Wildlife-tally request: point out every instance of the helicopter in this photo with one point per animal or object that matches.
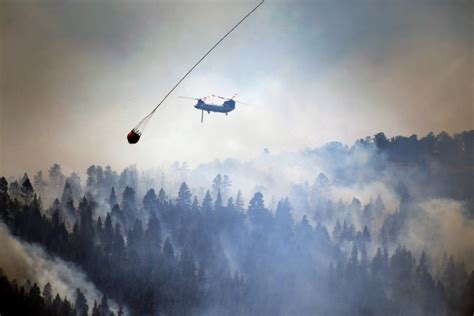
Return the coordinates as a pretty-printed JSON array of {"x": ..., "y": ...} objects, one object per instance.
[
  {"x": 208, "y": 105},
  {"x": 134, "y": 135}
]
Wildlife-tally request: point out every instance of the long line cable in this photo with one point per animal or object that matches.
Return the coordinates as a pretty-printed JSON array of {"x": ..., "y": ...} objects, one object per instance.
[{"x": 199, "y": 61}]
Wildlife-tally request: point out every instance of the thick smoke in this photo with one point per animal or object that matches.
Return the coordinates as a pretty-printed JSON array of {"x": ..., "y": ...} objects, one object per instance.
[
  {"x": 441, "y": 226},
  {"x": 22, "y": 261}
]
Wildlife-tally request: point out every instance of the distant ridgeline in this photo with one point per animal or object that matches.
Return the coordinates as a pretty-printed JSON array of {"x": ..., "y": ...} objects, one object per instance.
[
  {"x": 448, "y": 159},
  {"x": 444, "y": 164},
  {"x": 209, "y": 252}
]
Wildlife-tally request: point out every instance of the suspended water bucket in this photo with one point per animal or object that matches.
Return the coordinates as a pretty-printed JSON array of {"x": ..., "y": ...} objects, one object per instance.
[{"x": 133, "y": 136}]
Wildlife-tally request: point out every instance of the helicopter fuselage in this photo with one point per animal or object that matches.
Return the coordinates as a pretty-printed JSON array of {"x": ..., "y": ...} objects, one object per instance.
[{"x": 227, "y": 107}]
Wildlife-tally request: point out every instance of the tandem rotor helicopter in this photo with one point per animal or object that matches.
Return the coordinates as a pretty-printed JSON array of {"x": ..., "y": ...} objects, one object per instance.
[
  {"x": 206, "y": 104},
  {"x": 203, "y": 104}
]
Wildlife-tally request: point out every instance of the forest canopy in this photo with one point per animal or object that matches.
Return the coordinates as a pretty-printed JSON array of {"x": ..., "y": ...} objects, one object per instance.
[{"x": 249, "y": 238}]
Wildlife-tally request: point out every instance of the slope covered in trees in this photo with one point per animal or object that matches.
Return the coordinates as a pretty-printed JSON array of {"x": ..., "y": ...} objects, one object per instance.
[{"x": 191, "y": 252}]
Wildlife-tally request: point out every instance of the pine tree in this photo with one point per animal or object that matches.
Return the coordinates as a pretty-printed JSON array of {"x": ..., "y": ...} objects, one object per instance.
[
  {"x": 57, "y": 305},
  {"x": 14, "y": 191},
  {"x": 118, "y": 245},
  {"x": 218, "y": 204},
  {"x": 337, "y": 232},
  {"x": 207, "y": 203},
  {"x": 56, "y": 177},
  {"x": 239, "y": 202},
  {"x": 80, "y": 305},
  {"x": 378, "y": 265},
  {"x": 39, "y": 183},
  {"x": 104, "y": 306},
  {"x": 366, "y": 234},
  {"x": 66, "y": 308},
  {"x": 129, "y": 206},
  {"x": 48, "y": 294},
  {"x": 86, "y": 228},
  {"x": 226, "y": 185},
  {"x": 117, "y": 214},
  {"x": 153, "y": 238},
  {"x": 217, "y": 185},
  {"x": 107, "y": 234},
  {"x": 184, "y": 196},
  {"x": 195, "y": 205},
  {"x": 257, "y": 212},
  {"x": 283, "y": 216},
  {"x": 112, "y": 198},
  {"x": 67, "y": 194},
  {"x": 95, "y": 310},
  {"x": 34, "y": 295},
  {"x": 379, "y": 206},
  {"x": 162, "y": 198},
  {"x": 99, "y": 230},
  {"x": 27, "y": 191},
  {"x": 425, "y": 285},
  {"x": 76, "y": 188},
  {"x": 91, "y": 183},
  {"x": 149, "y": 201}
]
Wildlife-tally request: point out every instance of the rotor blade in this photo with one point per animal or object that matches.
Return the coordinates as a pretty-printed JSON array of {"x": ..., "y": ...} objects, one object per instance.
[
  {"x": 189, "y": 98},
  {"x": 241, "y": 102},
  {"x": 203, "y": 57},
  {"x": 218, "y": 96},
  {"x": 228, "y": 99},
  {"x": 202, "y": 116}
]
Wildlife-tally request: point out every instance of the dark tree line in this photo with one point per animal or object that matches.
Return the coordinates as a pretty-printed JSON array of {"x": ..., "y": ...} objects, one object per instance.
[
  {"x": 444, "y": 162},
  {"x": 450, "y": 150},
  {"x": 28, "y": 299}
]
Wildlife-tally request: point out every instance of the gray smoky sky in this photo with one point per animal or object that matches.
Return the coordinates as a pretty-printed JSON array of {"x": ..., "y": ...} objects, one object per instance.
[{"x": 76, "y": 76}]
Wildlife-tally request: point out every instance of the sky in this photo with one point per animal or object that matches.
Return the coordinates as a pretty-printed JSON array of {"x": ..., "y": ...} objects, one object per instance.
[{"x": 76, "y": 76}]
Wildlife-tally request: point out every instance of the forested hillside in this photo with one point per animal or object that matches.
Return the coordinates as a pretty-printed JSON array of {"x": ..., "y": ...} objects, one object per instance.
[{"x": 382, "y": 228}]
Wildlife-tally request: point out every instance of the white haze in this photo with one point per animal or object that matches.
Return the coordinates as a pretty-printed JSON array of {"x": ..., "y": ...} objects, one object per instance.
[
  {"x": 23, "y": 261},
  {"x": 441, "y": 226}
]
